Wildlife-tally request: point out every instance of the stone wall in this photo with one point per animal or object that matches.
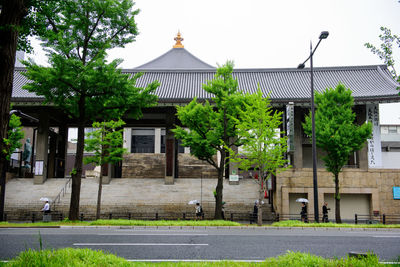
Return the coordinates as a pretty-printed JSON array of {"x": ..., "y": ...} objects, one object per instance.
[
  {"x": 376, "y": 182},
  {"x": 146, "y": 165},
  {"x": 191, "y": 167},
  {"x": 143, "y": 165}
]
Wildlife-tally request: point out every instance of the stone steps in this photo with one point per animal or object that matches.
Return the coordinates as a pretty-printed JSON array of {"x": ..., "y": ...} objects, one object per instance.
[{"x": 129, "y": 195}]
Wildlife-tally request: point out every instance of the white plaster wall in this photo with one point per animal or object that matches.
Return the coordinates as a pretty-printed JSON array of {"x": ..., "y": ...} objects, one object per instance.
[{"x": 391, "y": 160}]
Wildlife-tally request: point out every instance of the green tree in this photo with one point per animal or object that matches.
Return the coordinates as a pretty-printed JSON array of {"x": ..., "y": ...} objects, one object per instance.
[
  {"x": 385, "y": 52},
  {"x": 336, "y": 132},
  {"x": 262, "y": 145},
  {"x": 18, "y": 20},
  {"x": 11, "y": 142},
  {"x": 14, "y": 136},
  {"x": 80, "y": 81},
  {"x": 211, "y": 127},
  {"x": 105, "y": 142}
]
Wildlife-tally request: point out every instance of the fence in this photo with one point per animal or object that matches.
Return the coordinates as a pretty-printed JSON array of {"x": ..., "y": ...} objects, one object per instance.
[
  {"x": 90, "y": 216},
  {"x": 358, "y": 218}
]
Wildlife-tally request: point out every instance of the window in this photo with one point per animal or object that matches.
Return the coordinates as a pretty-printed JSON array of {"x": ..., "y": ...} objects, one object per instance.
[
  {"x": 384, "y": 130},
  {"x": 142, "y": 141},
  {"x": 392, "y": 130}
]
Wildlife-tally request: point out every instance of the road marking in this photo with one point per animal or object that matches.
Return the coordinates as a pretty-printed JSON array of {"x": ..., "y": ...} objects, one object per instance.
[
  {"x": 390, "y": 236},
  {"x": 137, "y": 244},
  {"x": 119, "y": 234}
]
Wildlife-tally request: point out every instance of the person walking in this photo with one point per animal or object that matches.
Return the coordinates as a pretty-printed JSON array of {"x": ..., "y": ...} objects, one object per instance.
[
  {"x": 325, "y": 212},
  {"x": 199, "y": 211},
  {"x": 303, "y": 212},
  {"x": 46, "y": 208}
]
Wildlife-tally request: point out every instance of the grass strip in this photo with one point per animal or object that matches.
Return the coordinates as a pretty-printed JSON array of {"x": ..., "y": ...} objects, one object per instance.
[
  {"x": 123, "y": 222},
  {"x": 87, "y": 257},
  {"x": 293, "y": 223}
]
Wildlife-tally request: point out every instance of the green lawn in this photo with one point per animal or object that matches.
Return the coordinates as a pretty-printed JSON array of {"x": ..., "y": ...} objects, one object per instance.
[
  {"x": 121, "y": 222},
  {"x": 87, "y": 257}
]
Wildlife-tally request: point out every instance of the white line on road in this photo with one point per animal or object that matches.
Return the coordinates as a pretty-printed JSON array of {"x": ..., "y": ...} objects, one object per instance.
[
  {"x": 390, "y": 236},
  {"x": 137, "y": 244},
  {"x": 119, "y": 234}
]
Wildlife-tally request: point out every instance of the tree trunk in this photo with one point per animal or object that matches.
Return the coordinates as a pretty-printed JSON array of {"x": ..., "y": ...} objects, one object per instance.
[
  {"x": 76, "y": 177},
  {"x": 219, "y": 189},
  {"x": 337, "y": 199},
  {"x": 11, "y": 15},
  {"x": 99, "y": 194},
  {"x": 260, "y": 199}
]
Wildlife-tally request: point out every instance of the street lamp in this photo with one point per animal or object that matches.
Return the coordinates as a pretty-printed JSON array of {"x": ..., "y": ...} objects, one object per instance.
[{"x": 323, "y": 35}]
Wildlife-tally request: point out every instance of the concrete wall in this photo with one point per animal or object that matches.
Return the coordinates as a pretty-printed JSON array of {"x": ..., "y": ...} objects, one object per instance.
[
  {"x": 391, "y": 160},
  {"x": 376, "y": 183}
]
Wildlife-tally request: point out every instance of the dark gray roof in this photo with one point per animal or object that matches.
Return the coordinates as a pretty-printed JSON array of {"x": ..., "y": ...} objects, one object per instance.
[
  {"x": 176, "y": 58},
  {"x": 368, "y": 83}
]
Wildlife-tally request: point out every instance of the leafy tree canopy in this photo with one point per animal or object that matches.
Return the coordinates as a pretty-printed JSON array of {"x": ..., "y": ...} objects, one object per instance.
[
  {"x": 105, "y": 142},
  {"x": 335, "y": 128},
  {"x": 258, "y": 130},
  {"x": 14, "y": 136}
]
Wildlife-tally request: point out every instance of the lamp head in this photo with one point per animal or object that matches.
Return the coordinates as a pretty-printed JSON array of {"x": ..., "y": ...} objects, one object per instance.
[
  {"x": 324, "y": 35},
  {"x": 301, "y": 66}
]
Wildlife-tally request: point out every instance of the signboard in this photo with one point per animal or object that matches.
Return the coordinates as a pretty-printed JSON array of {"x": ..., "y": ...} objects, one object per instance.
[
  {"x": 290, "y": 126},
  {"x": 39, "y": 167},
  {"x": 396, "y": 192},
  {"x": 374, "y": 144},
  {"x": 234, "y": 178}
]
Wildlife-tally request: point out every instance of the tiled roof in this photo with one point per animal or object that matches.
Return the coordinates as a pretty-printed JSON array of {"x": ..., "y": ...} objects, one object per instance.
[
  {"x": 371, "y": 83},
  {"x": 176, "y": 58}
]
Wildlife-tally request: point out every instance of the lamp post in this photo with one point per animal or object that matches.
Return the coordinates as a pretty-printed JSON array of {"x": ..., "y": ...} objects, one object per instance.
[{"x": 322, "y": 36}]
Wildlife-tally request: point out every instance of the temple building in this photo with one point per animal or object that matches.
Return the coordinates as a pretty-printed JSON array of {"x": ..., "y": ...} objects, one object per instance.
[{"x": 366, "y": 186}]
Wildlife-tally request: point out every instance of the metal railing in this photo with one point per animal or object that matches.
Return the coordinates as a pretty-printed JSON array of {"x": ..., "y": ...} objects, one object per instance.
[{"x": 63, "y": 191}]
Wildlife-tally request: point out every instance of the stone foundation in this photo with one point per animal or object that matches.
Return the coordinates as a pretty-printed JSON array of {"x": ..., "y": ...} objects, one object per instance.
[
  {"x": 143, "y": 165},
  {"x": 378, "y": 183},
  {"x": 191, "y": 167}
]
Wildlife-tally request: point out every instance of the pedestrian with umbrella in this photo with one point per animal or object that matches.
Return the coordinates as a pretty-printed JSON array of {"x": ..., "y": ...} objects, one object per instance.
[{"x": 303, "y": 212}]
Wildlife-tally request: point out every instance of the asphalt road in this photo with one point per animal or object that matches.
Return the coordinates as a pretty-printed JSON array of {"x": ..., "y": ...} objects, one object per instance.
[{"x": 205, "y": 244}]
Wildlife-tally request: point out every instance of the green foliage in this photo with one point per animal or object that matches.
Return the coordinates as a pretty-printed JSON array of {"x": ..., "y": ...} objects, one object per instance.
[
  {"x": 88, "y": 257},
  {"x": 211, "y": 125},
  {"x": 212, "y": 128},
  {"x": 80, "y": 81},
  {"x": 67, "y": 257},
  {"x": 15, "y": 134},
  {"x": 262, "y": 146},
  {"x": 385, "y": 52},
  {"x": 105, "y": 142},
  {"x": 335, "y": 128}
]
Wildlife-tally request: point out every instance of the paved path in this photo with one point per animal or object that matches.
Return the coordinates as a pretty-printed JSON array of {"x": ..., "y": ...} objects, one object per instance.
[{"x": 205, "y": 243}]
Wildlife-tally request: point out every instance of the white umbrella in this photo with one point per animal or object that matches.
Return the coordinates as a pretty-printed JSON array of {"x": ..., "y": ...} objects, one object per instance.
[
  {"x": 45, "y": 199},
  {"x": 302, "y": 200},
  {"x": 191, "y": 202}
]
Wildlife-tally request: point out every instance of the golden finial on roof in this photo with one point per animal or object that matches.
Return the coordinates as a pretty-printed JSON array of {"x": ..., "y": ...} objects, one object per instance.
[{"x": 178, "y": 40}]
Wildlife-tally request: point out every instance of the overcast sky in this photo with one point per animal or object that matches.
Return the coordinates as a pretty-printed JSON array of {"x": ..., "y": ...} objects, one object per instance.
[{"x": 261, "y": 33}]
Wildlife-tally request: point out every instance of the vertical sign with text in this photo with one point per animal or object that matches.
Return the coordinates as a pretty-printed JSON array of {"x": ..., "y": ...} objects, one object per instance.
[{"x": 374, "y": 144}]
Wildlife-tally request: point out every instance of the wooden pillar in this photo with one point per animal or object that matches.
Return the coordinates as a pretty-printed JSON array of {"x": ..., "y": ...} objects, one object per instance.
[
  {"x": 42, "y": 147},
  {"x": 62, "y": 151},
  {"x": 298, "y": 139},
  {"x": 170, "y": 147},
  {"x": 51, "y": 168}
]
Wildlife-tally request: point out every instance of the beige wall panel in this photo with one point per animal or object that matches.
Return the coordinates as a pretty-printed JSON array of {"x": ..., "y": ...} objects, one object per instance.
[{"x": 350, "y": 204}]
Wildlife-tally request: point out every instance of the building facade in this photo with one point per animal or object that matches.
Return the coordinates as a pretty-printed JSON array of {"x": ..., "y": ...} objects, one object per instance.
[{"x": 366, "y": 187}]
